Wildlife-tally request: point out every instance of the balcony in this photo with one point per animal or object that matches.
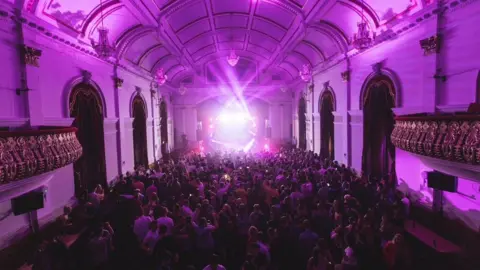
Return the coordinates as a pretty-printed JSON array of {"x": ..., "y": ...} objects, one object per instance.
[
  {"x": 30, "y": 155},
  {"x": 448, "y": 143}
]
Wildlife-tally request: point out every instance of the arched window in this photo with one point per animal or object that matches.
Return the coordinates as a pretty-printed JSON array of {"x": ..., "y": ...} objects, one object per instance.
[
  {"x": 86, "y": 107},
  {"x": 327, "y": 130},
  {"x": 139, "y": 114},
  {"x": 302, "y": 124},
  {"x": 378, "y": 157}
]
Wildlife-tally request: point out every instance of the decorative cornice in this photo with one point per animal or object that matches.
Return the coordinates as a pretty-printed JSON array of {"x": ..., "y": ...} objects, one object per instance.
[
  {"x": 34, "y": 152},
  {"x": 40, "y": 27},
  {"x": 447, "y": 137},
  {"x": 355, "y": 117},
  {"x": 13, "y": 122},
  {"x": 110, "y": 125},
  {"x": 58, "y": 122},
  {"x": 453, "y": 108},
  {"x": 409, "y": 110}
]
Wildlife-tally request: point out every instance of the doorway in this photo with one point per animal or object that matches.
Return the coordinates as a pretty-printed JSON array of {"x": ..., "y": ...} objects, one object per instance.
[
  {"x": 378, "y": 157},
  {"x": 86, "y": 107},
  {"x": 139, "y": 114}
]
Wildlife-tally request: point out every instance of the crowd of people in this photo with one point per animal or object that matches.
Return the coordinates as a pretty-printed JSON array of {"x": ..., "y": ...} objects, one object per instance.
[{"x": 286, "y": 210}]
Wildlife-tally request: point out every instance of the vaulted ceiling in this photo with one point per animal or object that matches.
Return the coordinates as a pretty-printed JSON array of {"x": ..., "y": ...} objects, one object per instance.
[{"x": 184, "y": 36}]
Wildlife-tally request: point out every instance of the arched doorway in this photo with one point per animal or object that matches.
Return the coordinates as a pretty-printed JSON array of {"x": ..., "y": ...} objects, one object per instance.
[
  {"x": 327, "y": 129},
  {"x": 164, "y": 127},
  {"x": 86, "y": 107},
  {"x": 302, "y": 124},
  {"x": 139, "y": 114},
  {"x": 378, "y": 157}
]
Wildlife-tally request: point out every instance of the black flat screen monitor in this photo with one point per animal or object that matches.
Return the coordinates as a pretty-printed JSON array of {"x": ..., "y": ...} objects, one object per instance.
[
  {"x": 441, "y": 181},
  {"x": 28, "y": 202}
]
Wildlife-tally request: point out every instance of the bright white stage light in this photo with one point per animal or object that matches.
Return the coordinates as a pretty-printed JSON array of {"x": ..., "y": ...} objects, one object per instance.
[
  {"x": 266, "y": 147},
  {"x": 234, "y": 118}
]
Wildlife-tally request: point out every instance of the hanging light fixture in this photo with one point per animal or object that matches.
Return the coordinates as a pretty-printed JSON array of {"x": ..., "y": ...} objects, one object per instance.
[
  {"x": 161, "y": 77},
  {"x": 362, "y": 40},
  {"x": 233, "y": 58},
  {"x": 103, "y": 47},
  {"x": 306, "y": 73}
]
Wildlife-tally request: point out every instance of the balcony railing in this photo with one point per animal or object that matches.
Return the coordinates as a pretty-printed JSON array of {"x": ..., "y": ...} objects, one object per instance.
[
  {"x": 448, "y": 137},
  {"x": 29, "y": 153}
]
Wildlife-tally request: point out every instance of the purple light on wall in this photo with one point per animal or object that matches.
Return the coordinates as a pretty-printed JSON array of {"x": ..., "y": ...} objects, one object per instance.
[{"x": 463, "y": 204}]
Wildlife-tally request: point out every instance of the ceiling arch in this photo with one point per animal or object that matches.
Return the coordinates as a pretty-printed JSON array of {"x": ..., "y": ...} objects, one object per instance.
[{"x": 183, "y": 35}]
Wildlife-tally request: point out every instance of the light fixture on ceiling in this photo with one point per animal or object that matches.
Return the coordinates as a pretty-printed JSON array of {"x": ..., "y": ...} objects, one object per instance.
[
  {"x": 233, "y": 58},
  {"x": 362, "y": 39},
  {"x": 182, "y": 90},
  {"x": 103, "y": 47},
  {"x": 161, "y": 77},
  {"x": 306, "y": 73}
]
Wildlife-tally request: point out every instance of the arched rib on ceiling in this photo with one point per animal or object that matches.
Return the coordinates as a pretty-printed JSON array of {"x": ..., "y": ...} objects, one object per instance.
[
  {"x": 269, "y": 31},
  {"x": 321, "y": 42}
]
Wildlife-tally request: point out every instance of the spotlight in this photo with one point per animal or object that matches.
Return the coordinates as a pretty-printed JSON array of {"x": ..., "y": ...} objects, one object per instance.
[{"x": 266, "y": 147}]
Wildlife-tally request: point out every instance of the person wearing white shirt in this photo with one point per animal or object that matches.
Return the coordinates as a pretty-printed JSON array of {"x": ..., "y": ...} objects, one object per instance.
[
  {"x": 140, "y": 228},
  {"x": 165, "y": 220},
  {"x": 151, "y": 238}
]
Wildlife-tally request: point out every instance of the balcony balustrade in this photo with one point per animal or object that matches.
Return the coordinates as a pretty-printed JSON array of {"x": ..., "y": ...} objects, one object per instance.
[{"x": 24, "y": 154}]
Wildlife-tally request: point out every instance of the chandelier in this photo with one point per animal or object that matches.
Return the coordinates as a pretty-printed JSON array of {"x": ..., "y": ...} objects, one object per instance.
[
  {"x": 306, "y": 73},
  {"x": 362, "y": 39},
  {"x": 161, "y": 77},
  {"x": 103, "y": 47},
  {"x": 182, "y": 90},
  {"x": 233, "y": 58}
]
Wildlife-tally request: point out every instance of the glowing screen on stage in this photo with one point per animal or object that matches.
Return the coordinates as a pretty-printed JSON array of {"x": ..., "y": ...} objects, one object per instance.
[{"x": 234, "y": 127}]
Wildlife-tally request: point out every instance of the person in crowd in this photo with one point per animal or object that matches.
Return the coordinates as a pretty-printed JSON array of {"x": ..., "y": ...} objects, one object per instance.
[
  {"x": 152, "y": 237},
  {"x": 271, "y": 211},
  {"x": 141, "y": 226}
]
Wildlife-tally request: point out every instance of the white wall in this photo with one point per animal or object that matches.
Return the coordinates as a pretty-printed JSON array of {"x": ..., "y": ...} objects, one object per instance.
[
  {"x": 47, "y": 104},
  {"x": 417, "y": 90}
]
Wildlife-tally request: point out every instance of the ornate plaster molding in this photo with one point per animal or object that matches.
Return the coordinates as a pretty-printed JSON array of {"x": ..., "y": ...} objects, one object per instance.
[
  {"x": 345, "y": 76},
  {"x": 337, "y": 117},
  {"x": 453, "y": 108},
  {"x": 31, "y": 55},
  {"x": 58, "y": 122},
  {"x": 408, "y": 110},
  {"x": 355, "y": 116},
  {"x": 430, "y": 45},
  {"x": 13, "y": 122},
  {"x": 118, "y": 82}
]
